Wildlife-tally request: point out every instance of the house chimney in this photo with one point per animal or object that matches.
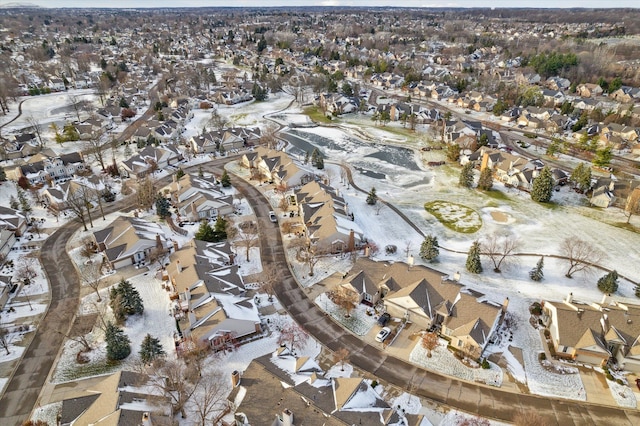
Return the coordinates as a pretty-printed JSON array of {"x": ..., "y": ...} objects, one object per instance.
[
  {"x": 604, "y": 300},
  {"x": 178, "y": 266},
  {"x": 175, "y": 245},
  {"x": 569, "y": 298},
  {"x": 410, "y": 260},
  {"x": 505, "y": 304},
  {"x": 351, "y": 244},
  {"x": 456, "y": 276},
  {"x": 158, "y": 242},
  {"x": 235, "y": 378},
  {"x": 287, "y": 417}
]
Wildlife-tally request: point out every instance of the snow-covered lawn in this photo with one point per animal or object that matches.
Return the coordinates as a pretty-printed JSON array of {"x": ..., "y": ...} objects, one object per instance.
[
  {"x": 156, "y": 320},
  {"x": 359, "y": 322},
  {"x": 443, "y": 361},
  {"x": 622, "y": 394}
]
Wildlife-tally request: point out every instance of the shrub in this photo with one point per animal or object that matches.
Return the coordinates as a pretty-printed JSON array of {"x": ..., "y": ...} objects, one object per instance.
[
  {"x": 542, "y": 356},
  {"x": 485, "y": 364}
]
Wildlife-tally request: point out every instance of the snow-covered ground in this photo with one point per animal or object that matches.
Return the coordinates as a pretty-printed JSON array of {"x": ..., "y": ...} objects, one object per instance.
[{"x": 404, "y": 180}]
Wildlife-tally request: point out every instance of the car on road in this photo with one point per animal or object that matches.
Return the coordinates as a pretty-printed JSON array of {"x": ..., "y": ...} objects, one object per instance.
[
  {"x": 272, "y": 216},
  {"x": 383, "y": 334},
  {"x": 384, "y": 319}
]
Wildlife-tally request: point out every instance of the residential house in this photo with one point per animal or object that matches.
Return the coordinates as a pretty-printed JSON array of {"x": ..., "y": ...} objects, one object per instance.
[
  {"x": 274, "y": 166},
  {"x": 626, "y": 94},
  {"x": 327, "y": 223},
  {"x": 129, "y": 241},
  {"x": 7, "y": 287},
  {"x": 429, "y": 299},
  {"x": 588, "y": 90},
  {"x": 122, "y": 398},
  {"x": 150, "y": 159},
  {"x": 211, "y": 302},
  {"x": 13, "y": 220},
  {"x": 198, "y": 198},
  {"x": 41, "y": 169},
  {"x": 57, "y": 197},
  {"x": 595, "y": 333},
  {"x": 300, "y": 394},
  {"x": 56, "y": 84},
  {"x": 229, "y": 139}
]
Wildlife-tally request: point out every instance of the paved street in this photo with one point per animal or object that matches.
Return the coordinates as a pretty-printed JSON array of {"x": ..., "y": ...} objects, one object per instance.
[{"x": 486, "y": 401}]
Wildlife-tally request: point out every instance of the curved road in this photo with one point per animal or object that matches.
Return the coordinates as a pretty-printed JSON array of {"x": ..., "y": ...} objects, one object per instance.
[{"x": 484, "y": 400}]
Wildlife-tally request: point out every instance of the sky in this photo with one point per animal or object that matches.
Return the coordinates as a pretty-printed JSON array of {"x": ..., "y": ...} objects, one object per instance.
[{"x": 362, "y": 3}]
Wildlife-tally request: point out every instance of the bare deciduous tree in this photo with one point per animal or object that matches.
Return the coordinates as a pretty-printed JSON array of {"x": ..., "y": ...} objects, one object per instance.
[
  {"x": 210, "y": 398},
  {"x": 341, "y": 356},
  {"x": 37, "y": 129},
  {"x": 91, "y": 275},
  {"x": 268, "y": 136},
  {"x": 146, "y": 193},
  {"x": 632, "y": 206},
  {"x": 344, "y": 297},
  {"x": 293, "y": 335},
  {"x": 270, "y": 276},
  {"x": 26, "y": 270},
  {"x": 5, "y": 340},
  {"x": 79, "y": 203},
  {"x": 247, "y": 237},
  {"x": 498, "y": 249},
  {"x": 176, "y": 381},
  {"x": 430, "y": 341},
  {"x": 96, "y": 148},
  {"x": 581, "y": 255}
]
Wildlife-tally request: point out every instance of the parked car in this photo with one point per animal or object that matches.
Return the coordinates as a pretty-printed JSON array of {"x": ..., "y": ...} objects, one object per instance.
[
  {"x": 384, "y": 319},
  {"x": 272, "y": 216},
  {"x": 383, "y": 334}
]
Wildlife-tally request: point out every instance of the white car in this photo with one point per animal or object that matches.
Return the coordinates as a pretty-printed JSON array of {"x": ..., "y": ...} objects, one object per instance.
[
  {"x": 383, "y": 334},
  {"x": 272, "y": 216}
]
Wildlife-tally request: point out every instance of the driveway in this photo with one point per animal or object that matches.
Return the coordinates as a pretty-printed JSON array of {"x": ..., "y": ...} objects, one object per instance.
[{"x": 369, "y": 357}]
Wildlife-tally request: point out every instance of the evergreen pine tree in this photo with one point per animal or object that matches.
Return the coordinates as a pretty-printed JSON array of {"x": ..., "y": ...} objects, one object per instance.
[
  {"x": 581, "y": 177},
  {"x": 162, "y": 207},
  {"x": 3, "y": 175},
  {"x": 225, "y": 180},
  {"x": 320, "y": 163},
  {"x": 125, "y": 300},
  {"x": 205, "y": 232},
  {"x": 150, "y": 349},
  {"x": 608, "y": 283},
  {"x": 542, "y": 186},
  {"x": 466, "y": 175},
  {"x": 118, "y": 343},
  {"x": 200, "y": 172},
  {"x": 25, "y": 206},
  {"x": 473, "y": 259},
  {"x": 179, "y": 173},
  {"x": 372, "y": 197},
  {"x": 306, "y": 157},
  {"x": 13, "y": 203},
  {"x": 536, "y": 274},
  {"x": 485, "y": 182},
  {"x": 220, "y": 229},
  {"x": 429, "y": 249}
]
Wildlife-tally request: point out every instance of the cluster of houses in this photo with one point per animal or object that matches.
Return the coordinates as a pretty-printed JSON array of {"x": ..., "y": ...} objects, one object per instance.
[
  {"x": 13, "y": 224},
  {"x": 430, "y": 300},
  {"x": 301, "y": 393},
  {"x": 594, "y": 333}
]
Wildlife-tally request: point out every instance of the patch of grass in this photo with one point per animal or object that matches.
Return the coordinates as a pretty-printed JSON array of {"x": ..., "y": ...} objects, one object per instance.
[
  {"x": 627, "y": 226},
  {"x": 79, "y": 371},
  {"x": 456, "y": 217},
  {"x": 316, "y": 115},
  {"x": 495, "y": 194}
]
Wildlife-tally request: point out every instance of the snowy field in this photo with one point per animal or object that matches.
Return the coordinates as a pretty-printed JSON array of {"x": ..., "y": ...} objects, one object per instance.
[{"x": 403, "y": 179}]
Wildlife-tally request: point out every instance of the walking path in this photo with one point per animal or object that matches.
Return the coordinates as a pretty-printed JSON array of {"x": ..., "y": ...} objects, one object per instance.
[{"x": 491, "y": 402}]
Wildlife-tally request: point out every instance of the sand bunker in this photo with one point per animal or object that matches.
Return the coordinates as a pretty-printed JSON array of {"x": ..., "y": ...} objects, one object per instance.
[{"x": 499, "y": 216}]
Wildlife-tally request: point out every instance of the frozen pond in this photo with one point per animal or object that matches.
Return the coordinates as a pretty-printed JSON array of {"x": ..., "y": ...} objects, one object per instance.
[{"x": 381, "y": 162}]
